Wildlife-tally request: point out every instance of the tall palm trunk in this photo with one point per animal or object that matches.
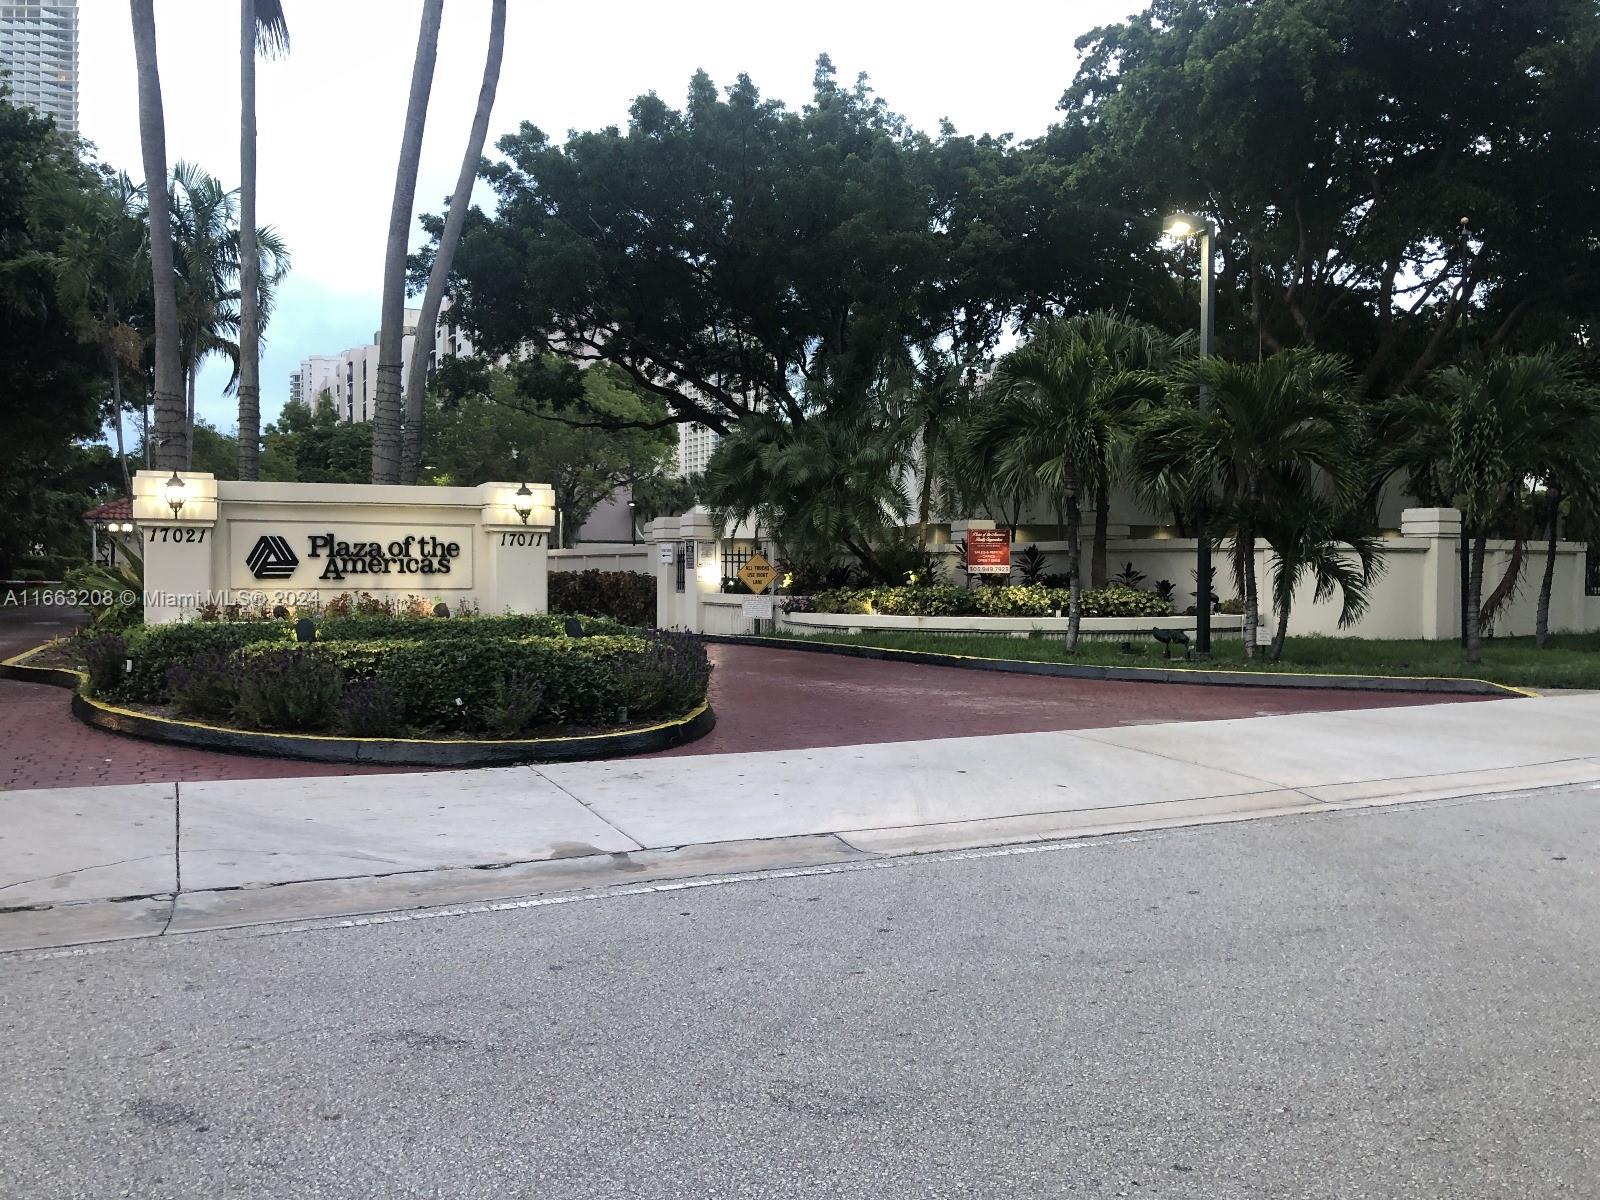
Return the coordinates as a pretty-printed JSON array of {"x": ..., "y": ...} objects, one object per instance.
[
  {"x": 433, "y": 298},
  {"x": 116, "y": 408},
  {"x": 1098, "y": 576},
  {"x": 188, "y": 423},
  {"x": 386, "y": 418},
  {"x": 1246, "y": 549},
  {"x": 1280, "y": 633},
  {"x": 169, "y": 441},
  {"x": 1074, "y": 522},
  {"x": 1541, "y": 628},
  {"x": 1480, "y": 543},
  {"x": 249, "y": 260}
]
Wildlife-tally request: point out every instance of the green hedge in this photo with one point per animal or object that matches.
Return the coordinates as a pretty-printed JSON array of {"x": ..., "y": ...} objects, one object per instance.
[
  {"x": 625, "y": 596},
  {"x": 1114, "y": 600},
  {"x": 416, "y": 629},
  {"x": 154, "y": 648}
]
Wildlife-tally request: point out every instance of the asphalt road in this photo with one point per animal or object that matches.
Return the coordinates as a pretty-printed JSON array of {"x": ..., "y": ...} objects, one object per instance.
[{"x": 1390, "y": 1003}]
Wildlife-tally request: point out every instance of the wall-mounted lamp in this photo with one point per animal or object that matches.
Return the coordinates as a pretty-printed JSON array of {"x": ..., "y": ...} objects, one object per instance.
[
  {"x": 175, "y": 494},
  {"x": 522, "y": 503}
]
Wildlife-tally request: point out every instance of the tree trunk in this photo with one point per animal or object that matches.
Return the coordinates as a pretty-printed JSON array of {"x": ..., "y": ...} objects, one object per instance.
[
  {"x": 1247, "y": 578},
  {"x": 1541, "y": 629},
  {"x": 1279, "y": 633},
  {"x": 391, "y": 335},
  {"x": 433, "y": 298},
  {"x": 116, "y": 407},
  {"x": 1074, "y": 517},
  {"x": 1480, "y": 543},
  {"x": 1097, "y": 557},
  {"x": 169, "y": 441},
  {"x": 249, "y": 259},
  {"x": 188, "y": 424}
]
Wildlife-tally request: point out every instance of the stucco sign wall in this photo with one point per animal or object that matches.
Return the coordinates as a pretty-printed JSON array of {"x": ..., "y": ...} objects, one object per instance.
[{"x": 301, "y": 544}]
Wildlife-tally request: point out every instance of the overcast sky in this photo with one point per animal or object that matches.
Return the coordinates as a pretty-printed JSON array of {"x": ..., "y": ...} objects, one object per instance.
[{"x": 330, "y": 113}]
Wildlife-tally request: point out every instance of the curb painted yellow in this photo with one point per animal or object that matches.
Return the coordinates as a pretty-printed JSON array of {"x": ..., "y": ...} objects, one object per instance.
[
  {"x": 1505, "y": 687},
  {"x": 19, "y": 662}
]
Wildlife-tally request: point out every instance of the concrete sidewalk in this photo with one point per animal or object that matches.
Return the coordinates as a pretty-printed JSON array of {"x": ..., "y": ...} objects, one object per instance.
[{"x": 87, "y": 864}]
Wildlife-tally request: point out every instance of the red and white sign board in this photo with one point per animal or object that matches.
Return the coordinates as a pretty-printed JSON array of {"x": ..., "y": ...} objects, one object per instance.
[{"x": 988, "y": 552}]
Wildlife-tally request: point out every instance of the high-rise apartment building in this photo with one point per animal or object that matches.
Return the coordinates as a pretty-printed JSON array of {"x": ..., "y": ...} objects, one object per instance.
[
  {"x": 350, "y": 379},
  {"x": 39, "y": 59}
]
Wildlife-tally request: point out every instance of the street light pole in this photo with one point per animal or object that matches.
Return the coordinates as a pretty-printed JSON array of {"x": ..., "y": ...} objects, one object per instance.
[{"x": 1183, "y": 225}]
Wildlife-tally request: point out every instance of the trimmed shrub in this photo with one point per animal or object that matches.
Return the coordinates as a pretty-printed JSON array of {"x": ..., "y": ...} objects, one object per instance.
[
  {"x": 370, "y": 708},
  {"x": 1017, "y": 601},
  {"x": 444, "y": 683},
  {"x": 512, "y": 706},
  {"x": 1114, "y": 600},
  {"x": 205, "y": 686},
  {"x": 667, "y": 678},
  {"x": 154, "y": 648},
  {"x": 106, "y": 659},
  {"x": 625, "y": 596},
  {"x": 290, "y": 689},
  {"x": 376, "y": 627},
  {"x": 1117, "y": 600}
]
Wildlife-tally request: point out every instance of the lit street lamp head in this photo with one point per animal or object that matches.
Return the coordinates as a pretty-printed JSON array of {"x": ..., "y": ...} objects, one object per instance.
[
  {"x": 1186, "y": 225},
  {"x": 175, "y": 496}
]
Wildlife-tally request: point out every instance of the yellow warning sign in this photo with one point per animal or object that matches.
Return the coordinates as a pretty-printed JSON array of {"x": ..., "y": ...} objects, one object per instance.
[{"x": 757, "y": 574}]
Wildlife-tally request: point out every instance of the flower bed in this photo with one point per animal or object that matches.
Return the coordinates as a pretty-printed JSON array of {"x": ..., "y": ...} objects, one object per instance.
[
  {"x": 1115, "y": 600},
  {"x": 381, "y": 676}
]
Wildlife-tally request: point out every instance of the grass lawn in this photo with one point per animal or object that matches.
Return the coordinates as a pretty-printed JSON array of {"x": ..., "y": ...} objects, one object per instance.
[{"x": 1569, "y": 661}]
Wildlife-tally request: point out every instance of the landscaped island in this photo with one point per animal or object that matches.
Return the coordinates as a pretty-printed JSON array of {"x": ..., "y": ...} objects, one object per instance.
[{"x": 384, "y": 675}]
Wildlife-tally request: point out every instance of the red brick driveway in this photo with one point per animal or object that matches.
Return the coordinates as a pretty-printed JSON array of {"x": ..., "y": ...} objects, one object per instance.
[{"x": 765, "y": 700}]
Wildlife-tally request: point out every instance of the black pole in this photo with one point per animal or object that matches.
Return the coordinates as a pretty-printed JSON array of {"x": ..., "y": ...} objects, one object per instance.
[
  {"x": 1202, "y": 554},
  {"x": 1464, "y": 543}
]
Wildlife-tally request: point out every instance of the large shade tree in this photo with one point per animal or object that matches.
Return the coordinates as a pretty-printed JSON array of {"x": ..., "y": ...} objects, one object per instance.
[
  {"x": 1338, "y": 144},
  {"x": 734, "y": 255}
]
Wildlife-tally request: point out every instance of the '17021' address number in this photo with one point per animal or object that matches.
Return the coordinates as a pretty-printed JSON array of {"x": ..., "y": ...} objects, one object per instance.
[{"x": 166, "y": 533}]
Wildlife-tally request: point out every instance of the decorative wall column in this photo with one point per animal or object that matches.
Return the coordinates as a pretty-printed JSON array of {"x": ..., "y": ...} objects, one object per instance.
[
  {"x": 1439, "y": 604},
  {"x": 179, "y": 546}
]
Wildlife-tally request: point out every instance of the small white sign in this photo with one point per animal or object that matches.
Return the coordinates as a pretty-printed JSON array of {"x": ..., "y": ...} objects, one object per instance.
[
  {"x": 758, "y": 606},
  {"x": 664, "y": 554}
]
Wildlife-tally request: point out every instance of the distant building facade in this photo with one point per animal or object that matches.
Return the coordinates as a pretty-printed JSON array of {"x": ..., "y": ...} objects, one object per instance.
[
  {"x": 39, "y": 59},
  {"x": 695, "y": 445},
  {"x": 349, "y": 380}
]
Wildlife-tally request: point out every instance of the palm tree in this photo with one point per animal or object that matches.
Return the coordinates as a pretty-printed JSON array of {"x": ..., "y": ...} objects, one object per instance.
[
  {"x": 1052, "y": 407},
  {"x": 262, "y": 29},
  {"x": 171, "y": 442},
  {"x": 1274, "y": 431},
  {"x": 1336, "y": 545},
  {"x": 416, "y": 385},
  {"x": 207, "y": 236},
  {"x": 391, "y": 335},
  {"x": 1565, "y": 438},
  {"x": 1129, "y": 345},
  {"x": 1478, "y": 435},
  {"x": 837, "y": 479},
  {"x": 102, "y": 269}
]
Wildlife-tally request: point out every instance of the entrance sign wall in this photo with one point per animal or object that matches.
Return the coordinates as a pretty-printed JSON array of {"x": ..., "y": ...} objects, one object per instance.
[{"x": 304, "y": 543}]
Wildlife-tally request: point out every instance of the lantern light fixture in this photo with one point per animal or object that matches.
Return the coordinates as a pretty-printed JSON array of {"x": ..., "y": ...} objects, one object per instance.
[
  {"x": 175, "y": 494},
  {"x": 522, "y": 503}
]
